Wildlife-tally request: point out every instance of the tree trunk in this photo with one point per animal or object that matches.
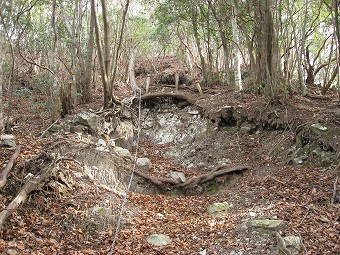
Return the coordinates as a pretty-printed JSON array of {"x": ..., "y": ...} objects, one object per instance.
[
  {"x": 236, "y": 51},
  {"x": 194, "y": 21},
  {"x": 1, "y": 86},
  {"x": 266, "y": 59},
  {"x": 55, "y": 86},
  {"x": 86, "y": 84},
  {"x": 103, "y": 70}
]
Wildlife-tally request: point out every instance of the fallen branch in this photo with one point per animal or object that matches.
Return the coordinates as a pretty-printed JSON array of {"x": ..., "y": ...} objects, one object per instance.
[
  {"x": 314, "y": 96},
  {"x": 30, "y": 185},
  {"x": 172, "y": 95},
  {"x": 169, "y": 183},
  {"x": 8, "y": 167}
]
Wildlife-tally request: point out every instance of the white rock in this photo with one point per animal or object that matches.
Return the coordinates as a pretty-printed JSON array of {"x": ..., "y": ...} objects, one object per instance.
[
  {"x": 158, "y": 239},
  {"x": 101, "y": 143},
  {"x": 204, "y": 252},
  {"x": 144, "y": 163}
]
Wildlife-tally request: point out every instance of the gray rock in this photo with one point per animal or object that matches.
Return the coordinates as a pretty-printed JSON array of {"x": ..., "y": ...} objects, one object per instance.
[
  {"x": 218, "y": 209},
  {"x": 123, "y": 152},
  {"x": 267, "y": 225},
  {"x": 103, "y": 211},
  {"x": 88, "y": 119},
  {"x": 158, "y": 239},
  {"x": 8, "y": 140},
  {"x": 177, "y": 176},
  {"x": 144, "y": 163},
  {"x": 292, "y": 243},
  {"x": 246, "y": 128},
  {"x": 80, "y": 129},
  {"x": 55, "y": 129}
]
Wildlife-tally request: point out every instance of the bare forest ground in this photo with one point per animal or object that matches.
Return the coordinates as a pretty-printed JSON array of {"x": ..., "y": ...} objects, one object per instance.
[{"x": 54, "y": 222}]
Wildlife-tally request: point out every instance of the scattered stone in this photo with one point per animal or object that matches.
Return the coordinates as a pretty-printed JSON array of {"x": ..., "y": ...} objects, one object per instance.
[
  {"x": 292, "y": 243},
  {"x": 193, "y": 112},
  {"x": 236, "y": 253},
  {"x": 12, "y": 252},
  {"x": 246, "y": 128},
  {"x": 299, "y": 160},
  {"x": 159, "y": 216},
  {"x": 218, "y": 209},
  {"x": 80, "y": 129},
  {"x": 268, "y": 226},
  {"x": 319, "y": 127},
  {"x": 88, "y": 119},
  {"x": 8, "y": 140},
  {"x": 203, "y": 252},
  {"x": 144, "y": 163},
  {"x": 101, "y": 143},
  {"x": 252, "y": 214},
  {"x": 158, "y": 239},
  {"x": 177, "y": 176},
  {"x": 54, "y": 129},
  {"x": 103, "y": 211},
  {"x": 123, "y": 152}
]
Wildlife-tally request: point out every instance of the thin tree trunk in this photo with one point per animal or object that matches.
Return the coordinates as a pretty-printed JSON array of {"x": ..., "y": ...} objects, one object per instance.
[
  {"x": 237, "y": 62},
  {"x": 104, "y": 74},
  {"x": 55, "y": 87},
  {"x": 2, "y": 57},
  {"x": 198, "y": 42},
  {"x": 89, "y": 62}
]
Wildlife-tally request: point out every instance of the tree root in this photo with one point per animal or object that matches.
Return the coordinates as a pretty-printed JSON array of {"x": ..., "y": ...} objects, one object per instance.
[
  {"x": 179, "y": 96},
  {"x": 169, "y": 183}
]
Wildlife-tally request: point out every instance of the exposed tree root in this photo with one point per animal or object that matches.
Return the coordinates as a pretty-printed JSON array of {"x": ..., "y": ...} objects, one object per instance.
[
  {"x": 169, "y": 183},
  {"x": 180, "y": 96}
]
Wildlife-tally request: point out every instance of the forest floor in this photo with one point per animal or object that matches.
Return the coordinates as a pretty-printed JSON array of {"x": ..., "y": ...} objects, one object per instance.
[{"x": 50, "y": 223}]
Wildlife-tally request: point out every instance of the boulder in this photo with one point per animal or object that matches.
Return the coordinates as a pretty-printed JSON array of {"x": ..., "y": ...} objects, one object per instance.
[
  {"x": 177, "y": 176},
  {"x": 88, "y": 119},
  {"x": 144, "y": 163},
  {"x": 8, "y": 140},
  {"x": 158, "y": 239},
  {"x": 218, "y": 209}
]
